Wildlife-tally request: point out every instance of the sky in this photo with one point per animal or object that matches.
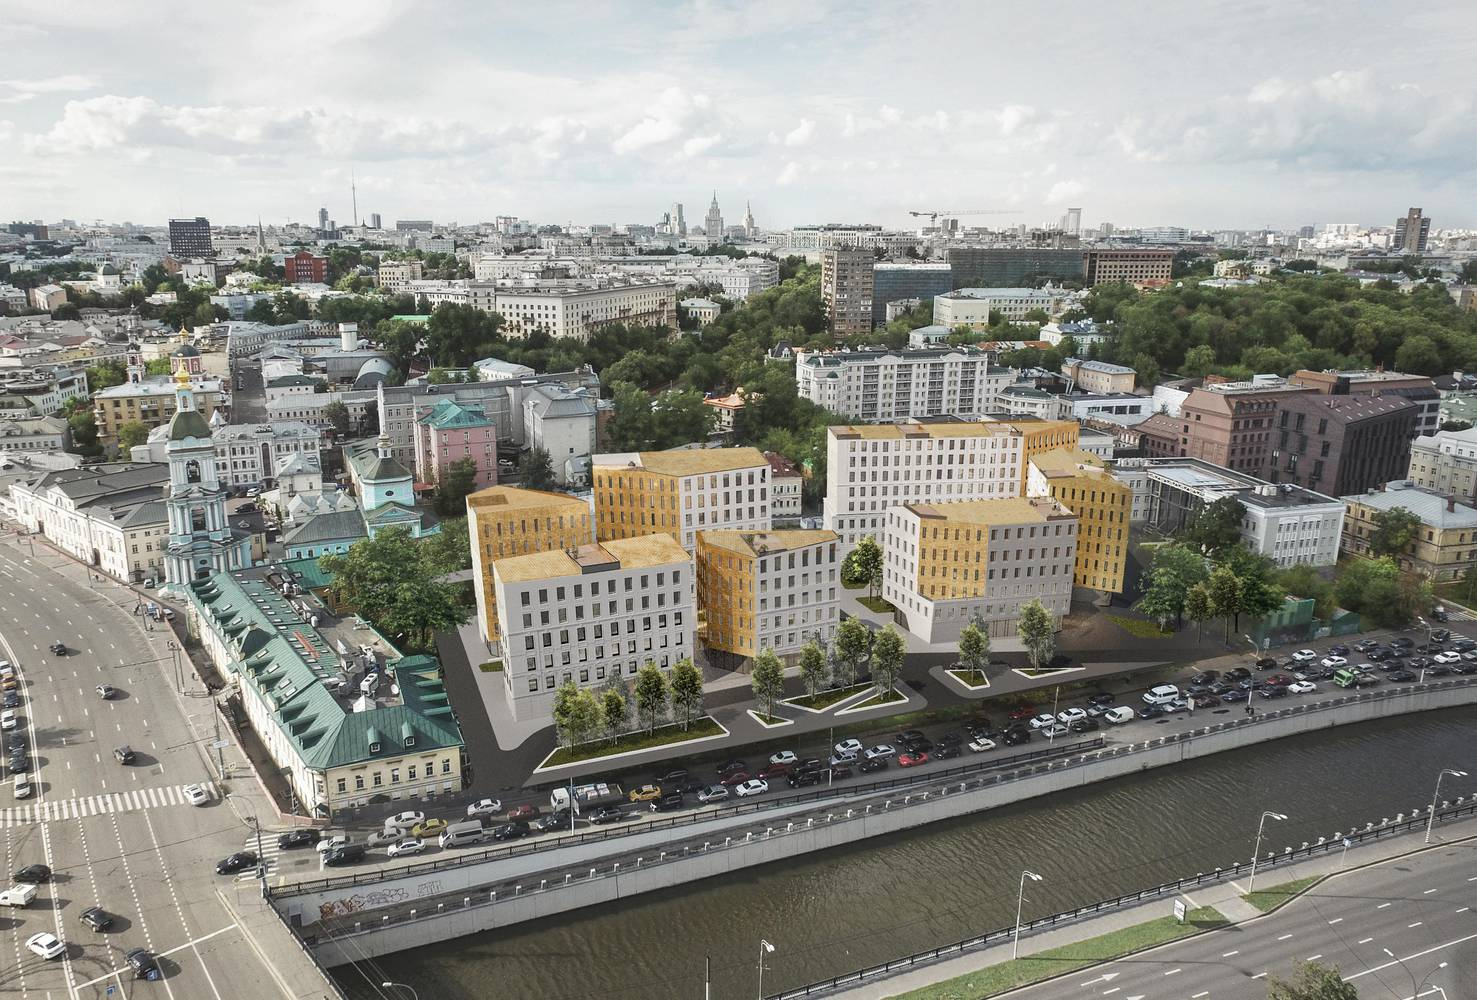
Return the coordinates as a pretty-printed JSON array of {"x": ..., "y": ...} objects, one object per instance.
[{"x": 1206, "y": 115}]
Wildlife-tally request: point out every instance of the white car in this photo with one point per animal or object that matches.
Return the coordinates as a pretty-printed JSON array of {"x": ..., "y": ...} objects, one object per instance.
[
  {"x": 484, "y": 807},
  {"x": 1302, "y": 687},
  {"x": 848, "y": 748},
  {"x": 1448, "y": 657},
  {"x": 754, "y": 786},
  {"x": 1071, "y": 715},
  {"x": 1329, "y": 662},
  {"x": 713, "y": 793},
  {"x": 196, "y": 795},
  {"x": 401, "y": 848},
  {"x": 1054, "y": 730},
  {"x": 786, "y": 757},
  {"x": 405, "y": 820},
  {"x": 381, "y": 838},
  {"x": 1042, "y": 721},
  {"x": 1119, "y": 715},
  {"x": 45, "y": 945},
  {"x": 881, "y": 750},
  {"x": 981, "y": 745},
  {"x": 8, "y": 720},
  {"x": 329, "y": 843},
  {"x": 1305, "y": 656}
]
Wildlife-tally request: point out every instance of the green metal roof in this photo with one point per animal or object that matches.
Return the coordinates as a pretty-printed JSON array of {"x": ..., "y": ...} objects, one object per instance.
[
  {"x": 448, "y": 414},
  {"x": 308, "y": 573},
  {"x": 188, "y": 424}
]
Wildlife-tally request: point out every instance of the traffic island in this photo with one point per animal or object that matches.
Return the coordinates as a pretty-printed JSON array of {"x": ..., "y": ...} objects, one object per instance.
[
  {"x": 661, "y": 738},
  {"x": 818, "y": 703},
  {"x": 1070, "y": 958},
  {"x": 883, "y": 699},
  {"x": 972, "y": 680},
  {"x": 769, "y": 721},
  {"x": 1276, "y": 896}
]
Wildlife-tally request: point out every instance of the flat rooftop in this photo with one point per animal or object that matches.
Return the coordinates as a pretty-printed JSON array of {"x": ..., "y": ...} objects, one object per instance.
[
  {"x": 1012, "y": 510},
  {"x": 684, "y": 462}
]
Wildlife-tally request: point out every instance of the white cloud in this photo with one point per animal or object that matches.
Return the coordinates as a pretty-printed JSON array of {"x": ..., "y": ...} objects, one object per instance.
[
  {"x": 16, "y": 91},
  {"x": 789, "y": 175},
  {"x": 701, "y": 143},
  {"x": 1065, "y": 191},
  {"x": 1013, "y": 116},
  {"x": 800, "y": 134},
  {"x": 665, "y": 120}
]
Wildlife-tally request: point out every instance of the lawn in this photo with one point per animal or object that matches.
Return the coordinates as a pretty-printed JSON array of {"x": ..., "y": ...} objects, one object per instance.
[
  {"x": 974, "y": 678},
  {"x": 876, "y": 604},
  {"x": 659, "y": 737},
  {"x": 1139, "y": 628},
  {"x": 1274, "y": 896},
  {"x": 822, "y": 700},
  {"x": 491, "y": 666},
  {"x": 889, "y": 697},
  {"x": 1068, "y": 958}
]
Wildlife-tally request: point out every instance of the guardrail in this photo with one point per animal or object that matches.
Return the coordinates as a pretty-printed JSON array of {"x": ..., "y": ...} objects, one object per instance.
[
  {"x": 1325, "y": 845},
  {"x": 462, "y": 858},
  {"x": 329, "y": 982}
]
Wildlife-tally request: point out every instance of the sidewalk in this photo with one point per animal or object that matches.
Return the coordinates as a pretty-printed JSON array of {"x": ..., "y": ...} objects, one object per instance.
[{"x": 1224, "y": 896}]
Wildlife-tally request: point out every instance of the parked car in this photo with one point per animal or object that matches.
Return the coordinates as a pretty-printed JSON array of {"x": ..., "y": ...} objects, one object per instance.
[
  {"x": 1339, "y": 649},
  {"x": 332, "y": 841},
  {"x": 1041, "y": 720},
  {"x": 406, "y": 847},
  {"x": 1274, "y": 691},
  {"x": 754, "y": 786},
  {"x": 1070, "y": 715},
  {"x": 106, "y": 691},
  {"x": 382, "y": 838},
  {"x": 405, "y": 820},
  {"x": 523, "y": 813},
  {"x": 784, "y": 757},
  {"x": 1302, "y": 687},
  {"x": 58, "y": 649},
  {"x": 837, "y": 760},
  {"x": 947, "y": 751},
  {"x": 1022, "y": 712},
  {"x": 1152, "y": 711},
  {"x": 803, "y": 779},
  {"x": 910, "y": 736},
  {"x": 734, "y": 778},
  {"x": 1206, "y": 701},
  {"x": 33, "y": 874},
  {"x": 346, "y": 855},
  {"x": 45, "y": 945},
  {"x": 608, "y": 814},
  {"x": 881, "y": 750},
  {"x": 484, "y": 807},
  {"x": 713, "y": 793},
  {"x": 873, "y": 764},
  {"x": 848, "y": 748},
  {"x": 1305, "y": 655},
  {"x": 674, "y": 778},
  {"x": 301, "y": 837},
  {"x": 9, "y": 721},
  {"x": 1054, "y": 731},
  {"x": 1266, "y": 663},
  {"x": 1448, "y": 657},
  {"x": 1016, "y": 735},
  {"x": 1278, "y": 680},
  {"x": 1120, "y": 715},
  {"x": 124, "y": 755},
  {"x": 240, "y": 861},
  {"x": 559, "y": 819},
  {"x": 645, "y": 793},
  {"x": 1400, "y": 676},
  {"x": 1237, "y": 674},
  {"x": 981, "y": 745},
  {"x": 429, "y": 828},
  {"x": 510, "y": 831},
  {"x": 1085, "y": 725},
  {"x": 1107, "y": 697},
  {"x": 196, "y": 795},
  {"x": 1333, "y": 662},
  {"x": 911, "y": 759},
  {"x": 1379, "y": 653},
  {"x": 732, "y": 766}
]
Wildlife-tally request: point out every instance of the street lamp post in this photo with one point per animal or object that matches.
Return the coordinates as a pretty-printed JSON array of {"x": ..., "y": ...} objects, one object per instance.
[
  {"x": 179, "y": 677},
  {"x": 401, "y": 986},
  {"x": 1431, "y": 820},
  {"x": 1020, "y": 899},
  {"x": 764, "y": 948},
  {"x": 1256, "y": 852}
]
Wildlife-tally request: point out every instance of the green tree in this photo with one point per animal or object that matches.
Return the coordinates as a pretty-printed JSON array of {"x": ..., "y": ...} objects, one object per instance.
[
  {"x": 974, "y": 648},
  {"x": 337, "y": 415},
  {"x": 458, "y": 483},
  {"x": 391, "y": 581},
  {"x": 1223, "y": 592},
  {"x": 1198, "y": 607},
  {"x": 1260, "y": 593},
  {"x": 651, "y": 695},
  {"x": 563, "y": 712},
  {"x": 853, "y": 645},
  {"x": 1175, "y": 569},
  {"x": 868, "y": 559},
  {"x": 448, "y": 550},
  {"x": 1217, "y": 526},
  {"x": 687, "y": 689},
  {"x": 1311, "y": 981},
  {"x": 106, "y": 374},
  {"x": 888, "y": 650},
  {"x": 1199, "y": 361},
  {"x": 536, "y": 471},
  {"x": 132, "y": 432},
  {"x": 1037, "y": 632},
  {"x": 585, "y": 719},
  {"x": 613, "y": 712},
  {"x": 768, "y": 681},
  {"x": 812, "y": 667},
  {"x": 1394, "y": 532},
  {"x": 630, "y": 427},
  {"x": 81, "y": 427}
]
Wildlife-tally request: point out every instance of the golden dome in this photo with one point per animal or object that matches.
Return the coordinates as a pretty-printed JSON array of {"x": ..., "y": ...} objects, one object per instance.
[{"x": 182, "y": 376}]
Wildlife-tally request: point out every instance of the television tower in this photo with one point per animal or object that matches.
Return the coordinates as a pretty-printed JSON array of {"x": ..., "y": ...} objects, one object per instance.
[{"x": 354, "y": 197}]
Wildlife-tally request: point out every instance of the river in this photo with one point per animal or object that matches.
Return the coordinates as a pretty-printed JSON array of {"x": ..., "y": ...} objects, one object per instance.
[{"x": 835, "y": 911}]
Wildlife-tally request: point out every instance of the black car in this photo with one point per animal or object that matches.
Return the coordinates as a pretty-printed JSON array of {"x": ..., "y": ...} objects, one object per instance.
[
  {"x": 1367, "y": 680},
  {"x": 20, "y": 763},
  {"x": 1219, "y": 688},
  {"x": 609, "y": 814},
  {"x": 346, "y": 854},
  {"x": 950, "y": 739},
  {"x": 1107, "y": 697},
  {"x": 1463, "y": 646},
  {"x": 302, "y": 837},
  {"x": 692, "y": 786},
  {"x": 674, "y": 777},
  {"x": 1339, "y": 649},
  {"x": 1365, "y": 645},
  {"x": 143, "y": 963},
  {"x": 1380, "y": 653},
  {"x": 1236, "y": 674},
  {"x": 1418, "y": 662},
  {"x": 1401, "y": 676},
  {"x": 58, "y": 649},
  {"x": 510, "y": 831},
  {"x": 1266, "y": 663},
  {"x": 873, "y": 765},
  {"x": 1207, "y": 700},
  {"x": 558, "y": 820},
  {"x": 124, "y": 755},
  {"x": 668, "y": 802},
  {"x": 802, "y": 779},
  {"x": 1274, "y": 691},
  {"x": 945, "y": 751},
  {"x": 1438, "y": 670},
  {"x": 924, "y": 745},
  {"x": 97, "y": 918},
  {"x": 1402, "y": 640},
  {"x": 909, "y": 734},
  {"x": 240, "y": 861},
  {"x": 16, "y": 742},
  {"x": 839, "y": 771},
  {"x": 810, "y": 764},
  {"x": 12, "y": 699},
  {"x": 1016, "y": 735},
  {"x": 1086, "y": 725},
  {"x": 33, "y": 874},
  {"x": 1152, "y": 711},
  {"x": 1440, "y": 634}
]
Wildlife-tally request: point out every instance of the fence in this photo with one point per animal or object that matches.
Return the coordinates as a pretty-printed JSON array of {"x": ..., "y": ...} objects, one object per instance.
[
  {"x": 328, "y": 981},
  {"x": 460, "y": 859},
  {"x": 1371, "y": 832}
]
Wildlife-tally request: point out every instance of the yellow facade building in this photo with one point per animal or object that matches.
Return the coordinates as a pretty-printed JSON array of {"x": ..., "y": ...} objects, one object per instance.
[
  {"x": 1041, "y": 436},
  {"x": 767, "y": 589},
  {"x": 1081, "y": 482},
  {"x": 680, "y": 493},
  {"x": 506, "y": 521}
]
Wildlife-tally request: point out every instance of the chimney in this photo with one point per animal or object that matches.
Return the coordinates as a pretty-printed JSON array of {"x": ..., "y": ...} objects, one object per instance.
[{"x": 1450, "y": 503}]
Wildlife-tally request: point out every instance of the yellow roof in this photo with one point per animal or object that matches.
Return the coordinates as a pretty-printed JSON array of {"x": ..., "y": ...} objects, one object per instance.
[
  {"x": 1014, "y": 510},
  {"x": 624, "y": 553},
  {"x": 686, "y": 462},
  {"x": 496, "y": 498},
  {"x": 758, "y": 543},
  {"x": 1067, "y": 461}
]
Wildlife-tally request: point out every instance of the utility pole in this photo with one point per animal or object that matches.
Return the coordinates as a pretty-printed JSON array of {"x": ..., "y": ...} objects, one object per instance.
[{"x": 220, "y": 757}]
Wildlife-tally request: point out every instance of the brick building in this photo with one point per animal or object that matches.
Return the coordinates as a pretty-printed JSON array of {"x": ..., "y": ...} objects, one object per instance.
[
  {"x": 1340, "y": 445},
  {"x": 304, "y": 268}
]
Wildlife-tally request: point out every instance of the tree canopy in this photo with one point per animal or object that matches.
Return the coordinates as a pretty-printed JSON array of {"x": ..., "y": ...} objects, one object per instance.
[{"x": 391, "y": 580}]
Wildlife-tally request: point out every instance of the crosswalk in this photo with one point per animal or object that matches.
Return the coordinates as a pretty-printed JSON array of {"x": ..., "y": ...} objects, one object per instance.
[
  {"x": 269, "y": 851},
  {"x": 99, "y": 805}
]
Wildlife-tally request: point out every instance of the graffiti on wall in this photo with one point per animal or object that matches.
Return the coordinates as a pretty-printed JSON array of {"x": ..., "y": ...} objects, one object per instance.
[{"x": 361, "y": 901}]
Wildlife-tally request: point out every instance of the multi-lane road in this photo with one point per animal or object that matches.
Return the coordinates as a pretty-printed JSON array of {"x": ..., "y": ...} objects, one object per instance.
[{"x": 120, "y": 837}]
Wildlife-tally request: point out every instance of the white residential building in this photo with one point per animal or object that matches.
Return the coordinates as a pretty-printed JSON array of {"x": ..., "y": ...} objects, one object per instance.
[
  {"x": 786, "y": 486},
  {"x": 680, "y": 492},
  {"x": 772, "y": 590},
  {"x": 971, "y": 307},
  {"x": 601, "y": 611},
  {"x": 1445, "y": 462},
  {"x": 898, "y": 385},
  {"x": 395, "y": 276},
  {"x": 561, "y": 421},
  {"x": 573, "y": 311},
  {"x": 30, "y": 435},
  {"x": 112, "y": 517}
]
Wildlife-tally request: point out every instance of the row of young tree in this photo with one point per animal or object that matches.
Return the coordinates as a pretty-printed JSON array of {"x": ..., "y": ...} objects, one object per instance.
[{"x": 582, "y": 715}]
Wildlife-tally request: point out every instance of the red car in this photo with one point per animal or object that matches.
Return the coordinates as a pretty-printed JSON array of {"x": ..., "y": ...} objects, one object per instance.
[
  {"x": 734, "y": 778},
  {"x": 775, "y": 771},
  {"x": 912, "y": 759},
  {"x": 1279, "y": 680},
  {"x": 523, "y": 812},
  {"x": 1022, "y": 712}
]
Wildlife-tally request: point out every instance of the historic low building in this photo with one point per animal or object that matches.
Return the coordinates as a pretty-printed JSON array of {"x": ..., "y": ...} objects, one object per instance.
[{"x": 1445, "y": 546}]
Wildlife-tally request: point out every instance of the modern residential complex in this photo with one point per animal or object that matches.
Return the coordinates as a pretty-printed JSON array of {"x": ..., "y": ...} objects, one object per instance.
[
  {"x": 1103, "y": 505},
  {"x": 601, "y": 610},
  {"x": 1411, "y": 233},
  {"x": 1419, "y": 389},
  {"x": 1445, "y": 546},
  {"x": 902, "y": 384},
  {"x": 766, "y": 589},
  {"x": 680, "y": 492}
]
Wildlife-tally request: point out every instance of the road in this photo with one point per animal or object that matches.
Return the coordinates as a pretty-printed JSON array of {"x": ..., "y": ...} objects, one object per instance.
[
  {"x": 123, "y": 838},
  {"x": 1418, "y": 907}
]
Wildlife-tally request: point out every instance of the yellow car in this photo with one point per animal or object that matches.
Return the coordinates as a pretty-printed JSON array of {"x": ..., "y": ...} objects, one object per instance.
[
  {"x": 646, "y": 793},
  {"x": 428, "y": 828}
]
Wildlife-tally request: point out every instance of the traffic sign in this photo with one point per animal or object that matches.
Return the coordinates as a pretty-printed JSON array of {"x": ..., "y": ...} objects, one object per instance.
[
  {"x": 220, "y": 744},
  {"x": 1179, "y": 910}
]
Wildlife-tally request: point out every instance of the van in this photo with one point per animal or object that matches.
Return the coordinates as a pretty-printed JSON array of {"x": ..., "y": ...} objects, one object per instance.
[
  {"x": 1161, "y": 694},
  {"x": 18, "y": 895},
  {"x": 465, "y": 834},
  {"x": 1119, "y": 714},
  {"x": 1346, "y": 677}
]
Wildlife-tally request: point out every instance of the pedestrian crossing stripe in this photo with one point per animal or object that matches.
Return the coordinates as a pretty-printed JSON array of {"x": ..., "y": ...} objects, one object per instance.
[{"x": 99, "y": 805}]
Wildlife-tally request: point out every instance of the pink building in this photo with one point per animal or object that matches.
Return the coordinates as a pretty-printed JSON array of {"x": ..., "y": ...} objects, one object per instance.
[{"x": 451, "y": 431}]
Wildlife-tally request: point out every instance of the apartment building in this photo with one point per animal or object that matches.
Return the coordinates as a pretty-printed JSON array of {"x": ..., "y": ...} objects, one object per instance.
[
  {"x": 680, "y": 492},
  {"x": 846, "y": 290},
  {"x": 603, "y": 610},
  {"x": 1445, "y": 462},
  {"x": 786, "y": 485},
  {"x": 948, "y": 564},
  {"x": 971, "y": 307},
  {"x": 1445, "y": 546},
  {"x": 30, "y": 435},
  {"x": 770, "y": 590},
  {"x": 505, "y": 521},
  {"x": 874, "y": 467},
  {"x": 1134, "y": 266},
  {"x": 1081, "y": 483},
  {"x": 252, "y": 454},
  {"x": 1419, "y": 389},
  {"x": 1099, "y": 376},
  {"x": 1232, "y": 424},
  {"x": 1342, "y": 444},
  {"x": 452, "y": 432},
  {"x": 395, "y": 276},
  {"x": 902, "y": 384},
  {"x": 151, "y": 402},
  {"x": 576, "y": 311}
]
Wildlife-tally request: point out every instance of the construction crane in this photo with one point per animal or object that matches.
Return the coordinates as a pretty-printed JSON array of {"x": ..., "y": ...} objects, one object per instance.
[{"x": 933, "y": 217}]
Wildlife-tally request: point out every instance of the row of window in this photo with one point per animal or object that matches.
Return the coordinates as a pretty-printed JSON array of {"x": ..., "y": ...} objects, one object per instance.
[{"x": 377, "y": 778}]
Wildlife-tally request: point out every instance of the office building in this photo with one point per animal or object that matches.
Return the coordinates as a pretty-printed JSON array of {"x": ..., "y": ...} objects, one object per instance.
[
  {"x": 600, "y": 611},
  {"x": 577, "y": 311},
  {"x": 676, "y": 223},
  {"x": 1082, "y": 483},
  {"x": 413, "y": 225},
  {"x": 189, "y": 238},
  {"x": 1419, "y": 389},
  {"x": 303, "y": 268},
  {"x": 1135, "y": 267},
  {"x": 1099, "y": 376},
  {"x": 1445, "y": 462},
  {"x": 1011, "y": 267},
  {"x": 772, "y": 590},
  {"x": 901, "y": 384},
  {"x": 680, "y": 492},
  {"x": 1072, "y": 222},
  {"x": 20, "y": 436},
  {"x": 1341, "y": 444},
  {"x": 505, "y": 521},
  {"x": 374, "y": 220},
  {"x": 563, "y": 422},
  {"x": 1411, "y": 233},
  {"x": 846, "y": 290},
  {"x": 972, "y": 307},
  {"x": 1445, "y": 546},
  {"x": 946, "y": 565},
  {"x": 1231, "y": 424},
  {"x": 396, "y": 276},
  {"x": 899, "y": 281}
]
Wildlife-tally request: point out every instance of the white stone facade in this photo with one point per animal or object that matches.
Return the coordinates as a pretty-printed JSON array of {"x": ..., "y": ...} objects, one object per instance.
[{"x": 896, "y": 385}]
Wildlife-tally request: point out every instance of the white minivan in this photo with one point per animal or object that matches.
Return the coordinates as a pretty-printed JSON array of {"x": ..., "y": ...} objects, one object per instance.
[
  {"x": 1161, "y": 694},
  {"x": 1119, "y": 714}
]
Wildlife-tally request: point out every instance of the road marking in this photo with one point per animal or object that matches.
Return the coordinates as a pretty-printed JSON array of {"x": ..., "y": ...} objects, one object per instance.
[
  {"x": 1336, "y": 920},
  {"x": 1314, "y": 958},
  {"x": 1202, "y": 993},
  {"x": 1106, "y": 977},
  {"x": 1366, "y": 941},
  {"x": 1464, "y": 909},
  {"x": 1382, "y": 906},
  {"x": 1113, "y": 990},
  {"x": 1284, "y": 937},
  {"x": 1173, "y": 971},
  {"x": 1259, "y": 975},
  {"x": 1416, "y": 924},
  {"x": 1428, "y": 892},
  {"x": 1230, "y": 953},
  {"x": 1407, "y": 958}
]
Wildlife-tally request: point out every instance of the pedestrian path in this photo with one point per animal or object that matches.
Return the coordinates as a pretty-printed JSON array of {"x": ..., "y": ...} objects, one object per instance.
[
  {"x": 99, "y": 805},
  {"x": 269, "y": 851}
]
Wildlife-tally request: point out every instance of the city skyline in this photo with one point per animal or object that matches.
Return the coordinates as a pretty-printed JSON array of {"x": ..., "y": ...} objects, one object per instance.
[{"x": 828, "y": 112}]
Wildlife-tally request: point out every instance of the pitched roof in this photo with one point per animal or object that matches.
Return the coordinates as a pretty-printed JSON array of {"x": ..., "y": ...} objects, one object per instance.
[
  {"x": 332, "y": 526},
  {"x": 448, "y": 413}
]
